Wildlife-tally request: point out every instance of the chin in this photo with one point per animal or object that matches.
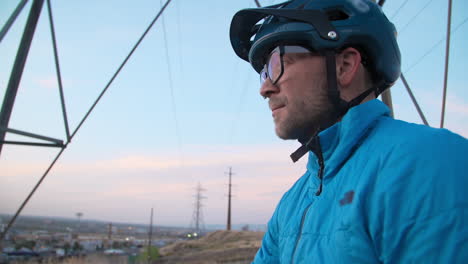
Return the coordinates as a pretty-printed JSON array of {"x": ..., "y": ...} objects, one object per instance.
[{"x": 284, "y": 134}]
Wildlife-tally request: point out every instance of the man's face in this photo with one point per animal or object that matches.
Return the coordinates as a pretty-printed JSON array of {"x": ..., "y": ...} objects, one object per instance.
[{"x": 299, "y": 100}]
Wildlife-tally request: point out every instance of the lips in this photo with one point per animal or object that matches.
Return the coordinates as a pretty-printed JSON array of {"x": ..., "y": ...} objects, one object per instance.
[
  {"x": 275, "y": 104},
  {"x": 275, "y": 108}
]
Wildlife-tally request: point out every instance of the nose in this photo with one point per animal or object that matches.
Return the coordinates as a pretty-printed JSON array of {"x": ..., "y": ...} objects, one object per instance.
[{"x": 268, "y": 88}]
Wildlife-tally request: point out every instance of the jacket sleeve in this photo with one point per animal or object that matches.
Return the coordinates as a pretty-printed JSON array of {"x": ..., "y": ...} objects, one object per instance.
[
  {"x": 422, "y": 205},
  {"x": 440, "y": 238},
  {"x": 268, "y": 252}
]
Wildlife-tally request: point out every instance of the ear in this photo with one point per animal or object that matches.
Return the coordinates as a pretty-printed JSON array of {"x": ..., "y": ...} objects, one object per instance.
[{"x": 347, "y": 65}]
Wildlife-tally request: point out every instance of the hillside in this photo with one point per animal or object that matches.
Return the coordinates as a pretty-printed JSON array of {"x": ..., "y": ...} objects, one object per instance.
[{"x": 217, "y": 247}]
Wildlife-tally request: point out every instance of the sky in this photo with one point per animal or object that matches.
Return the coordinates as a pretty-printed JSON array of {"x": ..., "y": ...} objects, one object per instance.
[{"x": 182, "y": 111}]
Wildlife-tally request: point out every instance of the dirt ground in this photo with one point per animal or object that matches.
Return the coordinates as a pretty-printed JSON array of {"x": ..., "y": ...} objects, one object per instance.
[
  {"x": 90, "y": 259},
  {"x": 227, "y": 247}
]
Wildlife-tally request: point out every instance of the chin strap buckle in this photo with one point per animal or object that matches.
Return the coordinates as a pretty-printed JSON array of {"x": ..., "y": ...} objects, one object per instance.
[
  {"x": 305, "y": 147},
  {"x": 299, "y": 153}
]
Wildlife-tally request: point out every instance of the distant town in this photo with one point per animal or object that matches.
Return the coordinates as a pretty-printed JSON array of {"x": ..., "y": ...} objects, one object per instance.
[{"x": 39, "y": 238}]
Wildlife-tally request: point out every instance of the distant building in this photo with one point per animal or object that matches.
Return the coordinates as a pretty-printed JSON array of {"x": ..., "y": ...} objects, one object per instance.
[{"x": 91, "y": 245}]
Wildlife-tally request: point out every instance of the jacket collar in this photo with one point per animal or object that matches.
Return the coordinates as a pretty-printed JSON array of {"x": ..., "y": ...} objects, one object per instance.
[{"x": 339, "y": 140}]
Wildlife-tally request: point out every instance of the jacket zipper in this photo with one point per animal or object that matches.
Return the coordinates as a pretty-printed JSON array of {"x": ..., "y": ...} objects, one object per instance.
[
  {"x": 319, "y": 191},
  {"x": 320, "y": 173},
  {"x": 300, "y": 231},
  {"x": 314, "y": 145}
]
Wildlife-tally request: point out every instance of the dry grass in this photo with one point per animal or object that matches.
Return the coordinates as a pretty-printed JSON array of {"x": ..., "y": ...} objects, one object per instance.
[
  {"x": 229, "y": 247},
  {"x": 90, "y": 259},
  {"x": 220, "y": 247},
  {"x": 100, "y": 259}
]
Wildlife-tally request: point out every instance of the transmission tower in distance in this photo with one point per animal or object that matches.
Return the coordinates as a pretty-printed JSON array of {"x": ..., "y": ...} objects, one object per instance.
[{"x": 198, "y": 224}]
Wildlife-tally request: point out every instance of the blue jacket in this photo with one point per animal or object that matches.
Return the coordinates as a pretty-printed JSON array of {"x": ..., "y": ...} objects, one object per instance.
[{"x": 393, "y": 192}]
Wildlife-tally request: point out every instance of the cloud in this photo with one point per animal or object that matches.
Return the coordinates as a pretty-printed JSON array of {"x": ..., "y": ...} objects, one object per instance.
[
  {"x": 456, "y": 114},
  {"x": 456, "y": 111},
  {"x": 194, "y": 157},
  {"x": 456, "y": 106},
  {"x": 51, "y": 82},
  {"x": 48, "y": 83},
  {"x": 134, "y": 181}
]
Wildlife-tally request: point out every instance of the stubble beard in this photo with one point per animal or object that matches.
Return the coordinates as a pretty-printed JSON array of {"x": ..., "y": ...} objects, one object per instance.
[{"x": 305, "y": 118}]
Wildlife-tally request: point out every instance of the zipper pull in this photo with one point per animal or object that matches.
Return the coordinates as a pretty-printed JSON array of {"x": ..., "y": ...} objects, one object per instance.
[{"x": 320, "y": 175}]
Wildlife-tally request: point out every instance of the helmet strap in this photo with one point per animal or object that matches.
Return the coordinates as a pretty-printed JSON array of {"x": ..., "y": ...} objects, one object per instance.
[{"x": 341, "y": 106}]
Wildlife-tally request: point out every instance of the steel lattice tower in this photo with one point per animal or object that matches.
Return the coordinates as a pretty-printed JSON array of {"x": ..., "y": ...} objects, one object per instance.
[{"x": 198, "y": 224}]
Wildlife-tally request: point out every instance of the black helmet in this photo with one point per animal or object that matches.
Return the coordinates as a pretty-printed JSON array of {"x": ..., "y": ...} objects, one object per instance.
[{"x": 321, "y": 25}]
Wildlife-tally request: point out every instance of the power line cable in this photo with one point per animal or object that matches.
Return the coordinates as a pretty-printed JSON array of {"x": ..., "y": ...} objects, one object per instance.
[
  {"x": 239, "y": 108},
  {"x": 179, "y": 35},
  {"x": 414, "y": 17},
  {"x": 232, "y": 88},
  {"x": 242, "y": 95},
  {"x": 435, "y": 46},
  {"x": 171, "y": 87},
  {"x": 121, "y": 66},
  {"x": 12, "y": 220},
  {"x": 398, "y": 9}
]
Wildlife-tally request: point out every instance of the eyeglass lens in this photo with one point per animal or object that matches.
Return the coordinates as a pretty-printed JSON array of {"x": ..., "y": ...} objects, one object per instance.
[{"x": 273, "y": 68}]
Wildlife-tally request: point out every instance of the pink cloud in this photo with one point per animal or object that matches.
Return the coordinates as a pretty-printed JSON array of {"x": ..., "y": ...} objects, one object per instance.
[
  {"x": 48, "y": 83},
  {"x": 135, "y": 181}
]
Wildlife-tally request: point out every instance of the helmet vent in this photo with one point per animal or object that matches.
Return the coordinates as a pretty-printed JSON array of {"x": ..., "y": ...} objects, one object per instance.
[{"x": 336, "y": 14}]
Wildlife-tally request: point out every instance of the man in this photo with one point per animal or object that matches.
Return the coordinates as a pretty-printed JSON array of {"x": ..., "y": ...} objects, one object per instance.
[{"x": 376, "y": 190}]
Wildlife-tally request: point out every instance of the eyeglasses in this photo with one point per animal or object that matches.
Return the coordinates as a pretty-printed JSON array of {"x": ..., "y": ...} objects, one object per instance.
[{"x": 274, "y": 66}]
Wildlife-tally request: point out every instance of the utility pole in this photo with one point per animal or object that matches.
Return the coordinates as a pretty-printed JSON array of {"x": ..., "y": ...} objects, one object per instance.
[
  {"x": 79, "y": 215},
  {"x": 150, "y": 236},
  {"x": 228, "y": 227},
  {"x": 109, "y": 235}
]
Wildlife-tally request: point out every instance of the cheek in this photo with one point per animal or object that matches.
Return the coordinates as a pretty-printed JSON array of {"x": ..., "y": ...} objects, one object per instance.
[
  {"x": 311, "y": 98},
  {"x": 305, "y": 87}
]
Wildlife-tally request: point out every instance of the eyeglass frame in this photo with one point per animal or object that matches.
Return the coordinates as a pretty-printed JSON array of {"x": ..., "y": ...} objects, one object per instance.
[{"x": 283, "y": 49}]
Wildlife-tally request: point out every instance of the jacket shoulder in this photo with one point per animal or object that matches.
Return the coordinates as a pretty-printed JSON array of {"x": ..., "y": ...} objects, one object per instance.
[
  {"x": 402, "y": 137},
  {"x": 419, "y": 195}
]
